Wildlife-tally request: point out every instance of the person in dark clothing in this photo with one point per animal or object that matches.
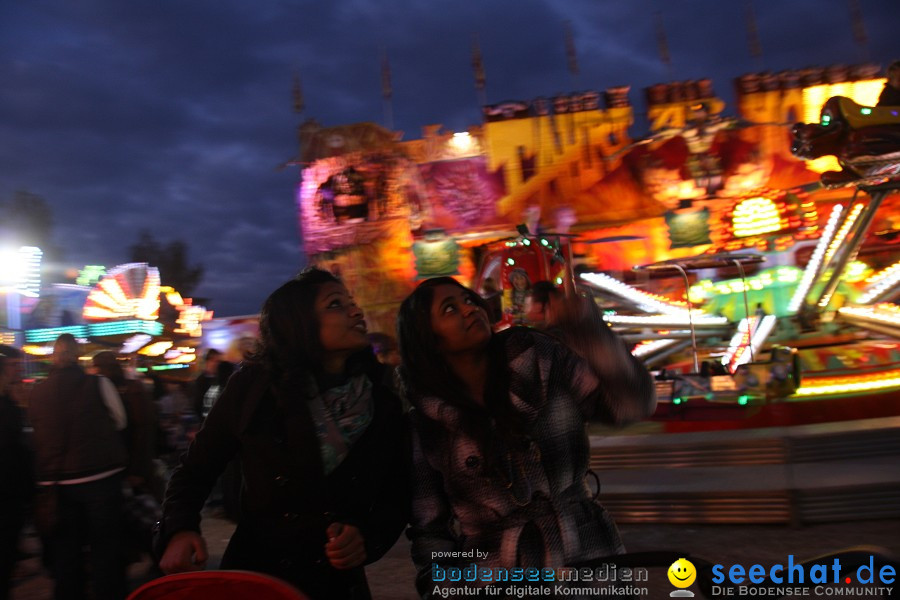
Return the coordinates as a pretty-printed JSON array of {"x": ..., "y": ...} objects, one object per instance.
[
  {"x": 15, "y": 466},
  {"x": 140, "y": 433},
  {"x": 322, "y": 447},
  {"x": 890, "y": 95},
  {"x": 500, "y": 447},
  {"x": 494, "y": 298},
  {"x": 539, "y": 305},
  {"x": 78, "y": 421},
  {"x": 224, "y": 370},
  {"x": 206, "y": 379}
]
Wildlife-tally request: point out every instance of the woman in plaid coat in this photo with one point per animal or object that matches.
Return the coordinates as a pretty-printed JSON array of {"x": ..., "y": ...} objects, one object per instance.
[{"x": 500, "y": 448}]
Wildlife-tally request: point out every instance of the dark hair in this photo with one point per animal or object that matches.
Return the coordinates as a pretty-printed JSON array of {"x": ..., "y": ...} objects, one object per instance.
[
  {"x": 543, "y": 290},
  {"x": 108, "y": 365},
  {"x": 224, "y": 370},
  {"x": 211, "y": 353},
  {"x": 424, "y": 369},
  {"x": 288, "y": 328}
]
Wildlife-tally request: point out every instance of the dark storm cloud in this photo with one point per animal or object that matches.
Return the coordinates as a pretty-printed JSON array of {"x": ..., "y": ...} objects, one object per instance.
[{"x": 175, "y": 116}]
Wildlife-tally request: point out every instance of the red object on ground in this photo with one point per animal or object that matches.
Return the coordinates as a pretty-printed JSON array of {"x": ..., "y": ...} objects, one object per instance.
[{"x": 220, "y": 585}]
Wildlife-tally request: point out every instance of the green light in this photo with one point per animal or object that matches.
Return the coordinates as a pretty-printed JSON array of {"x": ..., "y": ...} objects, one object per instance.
[
  {"x": 526, "y": 241},
  {"x": 866, "y": 111},
  {"x": 559, "y": 281},
  {"x": 90, "y": 274},
  {"x": 123, "y": 327},
  {"x": 48, "y": 335},
  {"x": 742, "y": 400},
  {"x": 510, "y": 261},
  {"x": 544, "y": 242},
  {"x": 826, "y": 119},
  {"x": 677, "y": 400},
  {"x": 95, "y": 330}
]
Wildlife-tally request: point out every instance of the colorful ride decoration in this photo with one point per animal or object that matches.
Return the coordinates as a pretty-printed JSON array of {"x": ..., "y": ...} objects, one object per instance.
[
  {"x": 512, "y": 266},
  {"x": 127, "y": 291},
  {"x": 126, "y": 306},
  {"x": 864, "y": 139},
  {"x": 699, "y": 183}
]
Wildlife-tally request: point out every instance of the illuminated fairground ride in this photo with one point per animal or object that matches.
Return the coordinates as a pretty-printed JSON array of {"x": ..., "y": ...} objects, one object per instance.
[
  {"x": 812, "y": 359},
  {"x": 807, "y": 388},
  {"x": 748, "y": 345},
  {"x": 124, "y": 309}
]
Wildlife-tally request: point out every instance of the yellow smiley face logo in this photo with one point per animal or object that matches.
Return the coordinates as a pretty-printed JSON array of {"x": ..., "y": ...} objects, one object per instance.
[{"x": 682, "y": 573}]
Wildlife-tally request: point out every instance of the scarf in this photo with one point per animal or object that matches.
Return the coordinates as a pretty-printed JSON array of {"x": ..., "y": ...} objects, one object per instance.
[{"x": 341, "y": 415}]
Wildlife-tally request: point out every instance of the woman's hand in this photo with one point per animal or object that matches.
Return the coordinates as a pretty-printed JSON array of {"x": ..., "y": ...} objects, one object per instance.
[
  {"x": 186, "y": 552},
  {"x": 345, "y": 548},
  {"x": 571, "y": 307}
]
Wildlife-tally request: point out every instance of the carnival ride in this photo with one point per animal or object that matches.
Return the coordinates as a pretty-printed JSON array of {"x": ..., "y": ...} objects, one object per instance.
[
  {"x": 786, "y": 415},
  {"x": 755, "y": 367}
]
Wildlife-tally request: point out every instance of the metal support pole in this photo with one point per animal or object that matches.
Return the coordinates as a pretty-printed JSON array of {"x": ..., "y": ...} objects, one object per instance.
[
  {"x": 849, "y": 252},
  {"x": 740, "y": 267},
  {"x": 687, "y": 296}
]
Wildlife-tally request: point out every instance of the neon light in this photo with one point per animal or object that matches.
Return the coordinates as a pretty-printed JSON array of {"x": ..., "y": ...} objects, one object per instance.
[
  {"x": 648, "y": 347},
  {"x": 843, "y": 231},
  {"x": 881, "y": 313},
  {"x": 156, "y": 348},
  {"x": 37, "y": 350},
  {"x": 880, "y": 283},
  {"x": 856, "y": 271},
  {"x": 673, "y": 320},
  {"x": 124, "y": 327},
  {"x": 646, "y": 302},
  {"x": 189, "y": 319},
  {"x": 90, "y": 275},
  {"x": 706, "y": 288},
  {"x": 751, "y": 334},
  {"x": 812, "y": 267},
  {"x": 95, "y": 330},
  {"x": 161, "y": 368},
  {"x": 756, "y": 216},
  {"x": 130, "y": 290},
  {"x": 50, "y": 334},
  {"x": 845, "y": 385},
  {"x": 20, "y": 271},
  {"x": 135, "y": 342}
]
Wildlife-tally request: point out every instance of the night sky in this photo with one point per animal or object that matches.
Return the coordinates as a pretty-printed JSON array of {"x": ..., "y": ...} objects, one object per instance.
[{"x": 176, "y": 116}]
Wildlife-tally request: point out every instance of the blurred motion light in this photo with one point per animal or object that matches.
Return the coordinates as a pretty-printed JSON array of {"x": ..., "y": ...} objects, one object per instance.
[
  {"x": 20, "y": 271},
  {"x": 812, "y": 267},
  {"x": 462, "y": 141},
  {"x": 756, "y": 216}
]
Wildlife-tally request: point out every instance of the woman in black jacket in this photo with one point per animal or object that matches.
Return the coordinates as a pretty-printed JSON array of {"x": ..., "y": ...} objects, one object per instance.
[{"x": 321, "y": 442}]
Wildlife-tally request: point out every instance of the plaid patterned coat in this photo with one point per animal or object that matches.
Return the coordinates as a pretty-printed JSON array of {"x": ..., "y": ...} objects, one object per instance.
[{"x": 529, "y": 504}]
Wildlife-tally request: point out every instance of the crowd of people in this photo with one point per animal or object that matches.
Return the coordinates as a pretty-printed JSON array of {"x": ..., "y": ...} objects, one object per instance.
[
  {"x": 85, "y": 455},
  {"x": 335, "y": 439}
]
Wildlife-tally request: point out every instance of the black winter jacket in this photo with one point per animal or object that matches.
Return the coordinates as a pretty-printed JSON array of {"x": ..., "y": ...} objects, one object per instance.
[{"x": 287, "y": 502}]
